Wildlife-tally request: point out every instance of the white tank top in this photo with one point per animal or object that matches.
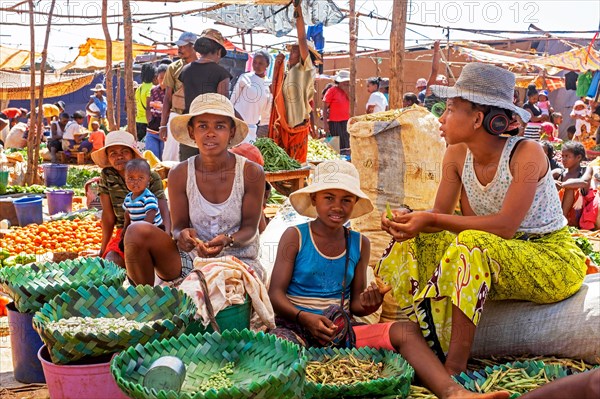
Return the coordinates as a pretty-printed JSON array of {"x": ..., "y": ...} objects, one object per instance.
[
  {"x": 210, "y": 220},
  {"x": 545, "y": 214}
]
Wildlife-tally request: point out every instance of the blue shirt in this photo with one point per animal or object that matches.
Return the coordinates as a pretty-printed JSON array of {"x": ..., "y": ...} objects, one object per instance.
[
  {"x": 140, "y": 206},
  {"x": 317, "y": 279}
]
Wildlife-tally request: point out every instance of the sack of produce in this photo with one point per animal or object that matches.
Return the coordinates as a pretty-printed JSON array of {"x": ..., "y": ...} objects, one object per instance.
[
  {"x": 31, "y": 286},
  {"x": 398, "y": 155},
  {"x": 359, "y": 372},
  {"x": 93, "y": 321},
  {"x": 236, "y": 364},
  {"x": 564, "y": 329}
]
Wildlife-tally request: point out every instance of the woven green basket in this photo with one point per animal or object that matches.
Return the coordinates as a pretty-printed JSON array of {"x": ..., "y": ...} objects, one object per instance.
[
  {"x": 397, "y": 374},
  {"x": 264, "y": 366},
  {"x": 476, "y": 380},
  {"x": 31, "y": 286},
  {"x": 172, "y": 309}
]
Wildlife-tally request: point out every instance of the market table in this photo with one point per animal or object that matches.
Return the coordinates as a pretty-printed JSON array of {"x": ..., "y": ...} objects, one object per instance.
[{"x": 294, "y": 179}]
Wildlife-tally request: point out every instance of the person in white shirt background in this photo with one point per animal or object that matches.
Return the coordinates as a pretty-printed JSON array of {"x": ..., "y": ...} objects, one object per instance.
[
  {"x": 251, "y": 96},
  {"x": 377, "y": 101}
]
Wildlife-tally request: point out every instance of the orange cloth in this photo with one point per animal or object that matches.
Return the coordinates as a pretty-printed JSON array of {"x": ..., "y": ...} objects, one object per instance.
[
  {"x": 374, "y": 336},
  {"x": 294, "y": 140},
  {"x": 113, "y": 244}
]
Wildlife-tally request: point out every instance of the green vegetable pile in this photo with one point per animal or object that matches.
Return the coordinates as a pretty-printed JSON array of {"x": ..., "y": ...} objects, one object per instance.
[
  {"x": 586, "y": 247},
  {"x": 276, "y": 159},
  {"x": 7, "y": 260},
  {"x": 219, "y": 380},
  {"x": 77, "y": 177},
  {"x": 319, "y": 151},
  {"x": 33, "y": 189},
  {"x": 276, "y": 197}
]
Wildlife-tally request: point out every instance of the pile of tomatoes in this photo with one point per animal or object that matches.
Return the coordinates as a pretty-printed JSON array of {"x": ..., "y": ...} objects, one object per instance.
[{"x": 55, "y": 236}]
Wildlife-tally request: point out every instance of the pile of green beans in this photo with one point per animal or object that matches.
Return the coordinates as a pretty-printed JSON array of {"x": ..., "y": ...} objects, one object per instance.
[{"x": 276, "y": 159}]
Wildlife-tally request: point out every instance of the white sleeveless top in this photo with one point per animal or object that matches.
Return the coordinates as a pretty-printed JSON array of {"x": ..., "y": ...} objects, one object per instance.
[
  {"x": 210, "y": 220},
  {"x": 545, "y": 214}
]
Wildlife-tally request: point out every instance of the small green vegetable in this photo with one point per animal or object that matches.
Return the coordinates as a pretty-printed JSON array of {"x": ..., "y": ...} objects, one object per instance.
[
  {"x": 388, "y": 211},
  {"x": 275, "y": 157}
]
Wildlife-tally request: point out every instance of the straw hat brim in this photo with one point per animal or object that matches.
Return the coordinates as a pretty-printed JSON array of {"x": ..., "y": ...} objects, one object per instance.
[
  {"x": 302, "y": 202},
  {"x": 101, "y": 159},
  {"x": 179, "y": 128},
  {"x": 479, "y": 98}
]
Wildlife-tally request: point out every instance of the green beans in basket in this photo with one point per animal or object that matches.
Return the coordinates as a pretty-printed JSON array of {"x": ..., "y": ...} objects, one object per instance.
[
  {"x": 358, "y": 372},
  {"x": 517, "y": 378},
  {"x": 235, "y": 364},
  {"x": 275, "y": 157},
  {"x": 110, "y": 319},
  {"x": 31, "y": 286}
]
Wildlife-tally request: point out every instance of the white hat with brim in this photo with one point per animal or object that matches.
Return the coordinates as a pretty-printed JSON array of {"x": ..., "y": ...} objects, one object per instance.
[
  {"x": 209, "y": 103},
  {"x": 342, "y": 76},
  {"x": 117, "y": 137},
  {"x": 332, "y": 175},
  {"x": 99, "y": 87},
  {"x": 484, "y": 84}
]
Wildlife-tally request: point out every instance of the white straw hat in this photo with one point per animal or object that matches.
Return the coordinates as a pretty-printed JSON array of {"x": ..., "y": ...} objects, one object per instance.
[
  {"x": 117, "y": 137},
  {"x": 484, "y": 84},
  {"x": 209, "y": 103},
  {"x": 332, "y": 175},
  {"x": 342, "y": 76},
  {"x": 99, "y": 87}
]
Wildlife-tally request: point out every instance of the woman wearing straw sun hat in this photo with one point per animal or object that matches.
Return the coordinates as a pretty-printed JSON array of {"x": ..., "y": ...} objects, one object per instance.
[
  {"x": 97, "y": 112},
  {"x": 119, "y": 148},
  {"x": 215, "y": 196},
  {"x": 511, "y": 240}
]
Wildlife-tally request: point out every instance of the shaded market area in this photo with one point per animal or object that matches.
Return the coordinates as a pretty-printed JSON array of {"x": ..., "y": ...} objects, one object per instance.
[{"x": 232, "y": 215}]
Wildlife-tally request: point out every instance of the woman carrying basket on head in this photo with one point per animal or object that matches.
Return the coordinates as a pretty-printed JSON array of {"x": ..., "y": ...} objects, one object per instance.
[{"x": 511, "y": 241}]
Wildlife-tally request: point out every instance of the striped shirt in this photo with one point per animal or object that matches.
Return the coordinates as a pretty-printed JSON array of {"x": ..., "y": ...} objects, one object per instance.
[{"x": 140, "y": 206}]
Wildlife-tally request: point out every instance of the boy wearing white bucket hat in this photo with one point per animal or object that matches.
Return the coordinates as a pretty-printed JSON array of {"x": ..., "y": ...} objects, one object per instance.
[
  {"x": 215, "y": 198},
  {"x": 511, "y": 239},
  {"x": 120, "y": 147},
  {"x": 320, "y": 276}
]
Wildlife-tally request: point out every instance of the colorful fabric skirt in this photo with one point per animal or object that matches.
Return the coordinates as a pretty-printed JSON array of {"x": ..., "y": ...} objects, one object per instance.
[{"x": 432, "y": 272}]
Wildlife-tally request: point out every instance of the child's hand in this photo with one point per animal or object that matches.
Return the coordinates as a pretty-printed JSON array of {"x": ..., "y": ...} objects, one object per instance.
[
  {"x": 371, "y": 298},
  {"x": 319, "y": 326}
]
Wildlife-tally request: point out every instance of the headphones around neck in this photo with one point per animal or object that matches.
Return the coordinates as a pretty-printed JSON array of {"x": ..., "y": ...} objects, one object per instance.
[{"x": 496, "y": 121}]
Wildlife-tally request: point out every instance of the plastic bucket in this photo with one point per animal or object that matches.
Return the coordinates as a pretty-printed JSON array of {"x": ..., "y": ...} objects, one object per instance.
[
  {"x": 55, "y": 174},
  {"x": 3, "y": 181},
  {"x": 29, "y": 210},
  {"x": 25, "y": 343},
  {"x": 79, "y": 380},
  {"x": 232, "y": 317},
  {"x": 7, "y": 211},
  {"x": 59, "y": 201}
]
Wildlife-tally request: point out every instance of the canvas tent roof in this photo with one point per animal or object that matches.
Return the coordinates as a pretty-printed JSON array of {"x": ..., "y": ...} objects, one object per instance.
[
  {"x": 13, "y": 58},
  {"x": 92, "y": 54},
  {"x": 577, "y": 59},
  {"x": 16, "y": 85}
]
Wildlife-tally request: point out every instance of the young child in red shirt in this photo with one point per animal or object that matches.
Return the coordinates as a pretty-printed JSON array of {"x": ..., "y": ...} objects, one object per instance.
[{"x": 97, "y": 136}]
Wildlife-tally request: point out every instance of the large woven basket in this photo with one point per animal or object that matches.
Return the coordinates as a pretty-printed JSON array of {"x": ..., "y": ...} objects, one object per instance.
[
  {"x": 172, "y": 309},
  {"x": 397, "y": 374},
  {"x": 31, "y": 286},
  {"x": 476, "y": 380},
  {"x": 264, "y": 366}
]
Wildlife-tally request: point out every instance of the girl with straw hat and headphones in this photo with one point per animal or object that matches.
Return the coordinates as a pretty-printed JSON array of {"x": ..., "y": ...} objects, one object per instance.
[
  {"x": 511, "y": 241},
  {"x": 215, "y": 198}
]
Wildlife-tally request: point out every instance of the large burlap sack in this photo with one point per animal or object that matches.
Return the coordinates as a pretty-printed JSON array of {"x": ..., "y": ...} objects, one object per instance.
[
  {"x": 399, "y": 162},
  {"x": 568, "y": 328}
]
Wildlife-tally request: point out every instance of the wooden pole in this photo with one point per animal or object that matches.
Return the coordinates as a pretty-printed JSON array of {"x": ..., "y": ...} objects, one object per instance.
[
  {"x": 29, "y": 174},
  {"x": 110, "y": 111},
  {"x": 128, "y": 49},
  {"x": 353, "y": 28},
  {"x": 119, "y": 73},
  {"x": 399, "y": 11},
  {"x": 171, "y": 25}
]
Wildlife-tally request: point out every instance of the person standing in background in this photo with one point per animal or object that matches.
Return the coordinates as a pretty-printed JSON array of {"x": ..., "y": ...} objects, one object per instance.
[
  {"x": 174, "y": 99},
  {"x": 251, "y": 96},
  {"x": 336, "y": 110},
  {"x": 98, "y": 111},
  {"x": 142, "y": 93},
  {"x": 154, "y": 107},
  {"x": 377, "y": 101},
  {"x": 204, "y": 75}
]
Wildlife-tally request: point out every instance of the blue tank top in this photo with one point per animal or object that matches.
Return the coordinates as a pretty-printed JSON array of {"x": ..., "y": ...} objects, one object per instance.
[{"x": 317, "y": 279}]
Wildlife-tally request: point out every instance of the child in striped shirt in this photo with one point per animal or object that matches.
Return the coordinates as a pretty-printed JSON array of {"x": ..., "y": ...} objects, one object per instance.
[{"x": 140, "y": 205}]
